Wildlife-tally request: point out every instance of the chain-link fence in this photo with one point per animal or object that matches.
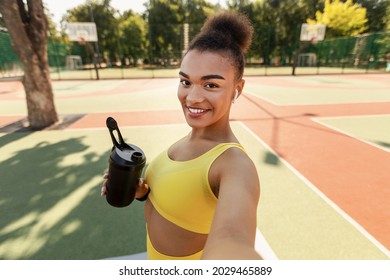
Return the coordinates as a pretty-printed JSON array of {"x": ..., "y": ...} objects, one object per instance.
[{"x": 361, "y": 54}]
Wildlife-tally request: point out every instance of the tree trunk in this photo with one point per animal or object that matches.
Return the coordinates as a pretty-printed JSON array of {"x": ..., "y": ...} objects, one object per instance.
[{"x": 27, "y": 27}]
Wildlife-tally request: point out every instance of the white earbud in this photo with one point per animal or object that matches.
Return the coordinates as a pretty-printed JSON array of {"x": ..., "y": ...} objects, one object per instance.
[{"x": 235, "y": 96}]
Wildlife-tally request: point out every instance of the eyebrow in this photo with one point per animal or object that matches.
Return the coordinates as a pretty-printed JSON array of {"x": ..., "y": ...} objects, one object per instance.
[{"x": 206, "y": 77}]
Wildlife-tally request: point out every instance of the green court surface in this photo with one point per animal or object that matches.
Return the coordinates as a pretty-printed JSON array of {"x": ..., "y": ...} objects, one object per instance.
[
  {"x": 319, "y": 90},
  {"x": 371, "y": 129},
  {"x": 73, "y": 97},
  {"x": 51, "y": 205}
]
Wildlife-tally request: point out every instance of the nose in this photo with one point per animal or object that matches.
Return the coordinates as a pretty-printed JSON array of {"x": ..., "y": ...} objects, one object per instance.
[{"x": 195, "y": 95}]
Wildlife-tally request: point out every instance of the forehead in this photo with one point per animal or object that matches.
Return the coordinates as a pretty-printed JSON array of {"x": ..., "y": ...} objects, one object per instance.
[{"x": 198, "y": 64}]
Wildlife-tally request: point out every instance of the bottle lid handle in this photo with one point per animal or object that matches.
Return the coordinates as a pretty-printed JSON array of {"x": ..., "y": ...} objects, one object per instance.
[{"x": 112, "y": 125}]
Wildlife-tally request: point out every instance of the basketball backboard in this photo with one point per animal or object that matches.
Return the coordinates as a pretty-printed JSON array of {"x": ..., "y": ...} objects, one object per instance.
[
  {"x": 312, "y": 32},
  {"x": 82, "y": 31}
]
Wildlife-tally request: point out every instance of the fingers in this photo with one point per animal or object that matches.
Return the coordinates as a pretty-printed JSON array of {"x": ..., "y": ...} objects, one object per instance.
[
  {"x": 142, "y": 188},
  {"x": 142, "y": 184},
  {"x": 103, "y": 190}
]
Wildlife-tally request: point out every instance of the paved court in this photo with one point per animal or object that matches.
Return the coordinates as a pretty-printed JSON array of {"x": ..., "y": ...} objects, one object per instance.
[{"x": 320, "y": 143}]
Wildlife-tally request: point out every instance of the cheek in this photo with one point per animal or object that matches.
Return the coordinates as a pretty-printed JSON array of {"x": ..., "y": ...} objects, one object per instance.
[{"x": 180, "y": 94}]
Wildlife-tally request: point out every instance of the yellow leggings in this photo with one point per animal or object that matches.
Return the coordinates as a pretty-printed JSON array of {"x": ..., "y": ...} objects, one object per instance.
[{"x": 153, "y": 254}]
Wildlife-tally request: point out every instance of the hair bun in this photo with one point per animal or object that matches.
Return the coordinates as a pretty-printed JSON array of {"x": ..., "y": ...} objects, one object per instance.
[{"x": 233, "y": 25}]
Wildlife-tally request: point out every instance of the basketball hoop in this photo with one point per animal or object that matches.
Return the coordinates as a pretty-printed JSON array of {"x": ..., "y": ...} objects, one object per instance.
[
  {"x": 82, "y": 32},
  {"x": 312, "y": 32}
]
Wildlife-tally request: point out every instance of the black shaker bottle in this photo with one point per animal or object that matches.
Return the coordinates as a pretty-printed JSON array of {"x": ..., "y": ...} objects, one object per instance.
[{"x": 126, "y": 163}]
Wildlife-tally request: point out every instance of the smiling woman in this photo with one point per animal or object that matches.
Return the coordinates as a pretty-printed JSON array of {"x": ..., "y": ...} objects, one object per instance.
[
  {"x": 206, "y": 92},
  {"x": 204, "y": 189}
]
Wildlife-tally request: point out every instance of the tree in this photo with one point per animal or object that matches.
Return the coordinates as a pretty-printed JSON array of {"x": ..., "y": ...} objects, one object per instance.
[
  {"x": 165, "y": 23},
  {"x": 386, "y": 18},
  {"x": 261, "y": 14},
  {"x": 276, "y": 26},
  {"x": 196, "y": 12},
  {"x": 27, "y": 27},
  {"x": 342, "y": 18},
  {"x": 132, "y": 34},
  {"x": 376, "y": 14}
]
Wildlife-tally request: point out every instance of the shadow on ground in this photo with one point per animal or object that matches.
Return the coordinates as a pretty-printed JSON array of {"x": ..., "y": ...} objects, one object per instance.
[
  {"x": 51, "y": 207},
  {"x": 383, "y": 144}
]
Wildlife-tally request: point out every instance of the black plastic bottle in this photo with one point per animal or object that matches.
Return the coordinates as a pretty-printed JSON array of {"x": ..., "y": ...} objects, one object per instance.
[{"x": 126, "y": 163}]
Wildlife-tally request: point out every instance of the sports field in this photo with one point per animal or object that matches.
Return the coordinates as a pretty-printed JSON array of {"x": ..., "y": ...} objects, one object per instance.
[{"x": 321, "y": 145}]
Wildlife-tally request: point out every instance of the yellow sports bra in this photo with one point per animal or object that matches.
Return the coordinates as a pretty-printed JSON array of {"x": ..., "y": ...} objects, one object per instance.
[{"x": 180, "y": 190}]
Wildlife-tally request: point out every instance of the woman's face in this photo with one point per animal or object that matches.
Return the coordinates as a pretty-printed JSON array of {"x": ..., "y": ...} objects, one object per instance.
[{"x": 207, "y": 87}]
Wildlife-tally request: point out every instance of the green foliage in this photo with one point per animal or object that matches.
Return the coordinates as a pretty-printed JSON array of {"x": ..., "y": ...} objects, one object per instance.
[
  {"x": 157, "y": 36},
  {"x": 166, "y": 24},
  {"x": 132, "y": 34},
  {"x": 165, "y": 19},
  {"x": 196, "y": 12},
  {"x": 277, "y": 26},
  {"x": 387, "y": 17},
  {"x": 376, "y": 14},
  {"x": 7, "y": 54},
  {"x": 342, "y": 18}
]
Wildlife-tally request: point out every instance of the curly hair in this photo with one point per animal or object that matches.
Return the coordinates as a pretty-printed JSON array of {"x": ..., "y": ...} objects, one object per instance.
[{"x": 229, "y": 33}]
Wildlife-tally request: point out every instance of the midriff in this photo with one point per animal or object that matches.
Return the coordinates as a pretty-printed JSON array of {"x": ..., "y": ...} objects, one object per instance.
[{"x": 170, "y": 239}]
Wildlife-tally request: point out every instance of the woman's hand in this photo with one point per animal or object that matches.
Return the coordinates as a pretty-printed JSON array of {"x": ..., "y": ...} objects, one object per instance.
[
  {"x": 104, "y": 186},
  {"x": 142, "y": 189}
]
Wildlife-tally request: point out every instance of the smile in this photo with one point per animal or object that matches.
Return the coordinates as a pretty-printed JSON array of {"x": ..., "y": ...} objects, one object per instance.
[{"x": 197, "y": 110}]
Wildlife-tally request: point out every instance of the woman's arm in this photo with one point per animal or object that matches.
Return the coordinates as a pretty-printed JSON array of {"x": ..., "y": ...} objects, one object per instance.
[{"x": 233, "y": 231}]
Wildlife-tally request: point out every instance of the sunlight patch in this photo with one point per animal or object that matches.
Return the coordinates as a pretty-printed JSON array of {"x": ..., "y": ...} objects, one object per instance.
[{"x": 37, "y": 236}]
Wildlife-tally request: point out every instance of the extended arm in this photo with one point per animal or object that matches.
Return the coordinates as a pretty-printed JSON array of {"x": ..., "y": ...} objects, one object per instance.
[{"x": 233, "y": 230}]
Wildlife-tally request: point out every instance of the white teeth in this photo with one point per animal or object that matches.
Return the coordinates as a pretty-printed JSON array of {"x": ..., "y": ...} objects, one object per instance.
[{"x": 196, "y": 111}]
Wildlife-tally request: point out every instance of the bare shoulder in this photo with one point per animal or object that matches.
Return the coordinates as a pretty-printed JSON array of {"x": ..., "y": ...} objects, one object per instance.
[
  {"x": 236, "y": 161},
  {"x": 235, "y": 168}
]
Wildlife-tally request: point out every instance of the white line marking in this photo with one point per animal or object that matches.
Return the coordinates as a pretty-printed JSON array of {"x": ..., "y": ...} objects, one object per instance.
[
  {"x": 318, "y": 120},
  {"x": 263, "y": 248},
  {"x": 355, "y": 116},
  {"x": 138, "y": 256},
  {"x": 262, "y": 98}
]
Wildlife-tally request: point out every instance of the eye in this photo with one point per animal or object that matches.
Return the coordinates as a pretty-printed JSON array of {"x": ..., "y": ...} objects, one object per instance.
[
  {"x": 185, "y": 83},
  {"x": 211, "y": 85}
]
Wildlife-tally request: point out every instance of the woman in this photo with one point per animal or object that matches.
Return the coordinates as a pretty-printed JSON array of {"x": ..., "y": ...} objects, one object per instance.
[{"x": 204, "y": 189}]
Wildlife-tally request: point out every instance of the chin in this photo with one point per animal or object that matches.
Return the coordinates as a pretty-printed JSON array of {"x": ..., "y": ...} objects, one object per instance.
[{"x": 197, "y": 123}]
